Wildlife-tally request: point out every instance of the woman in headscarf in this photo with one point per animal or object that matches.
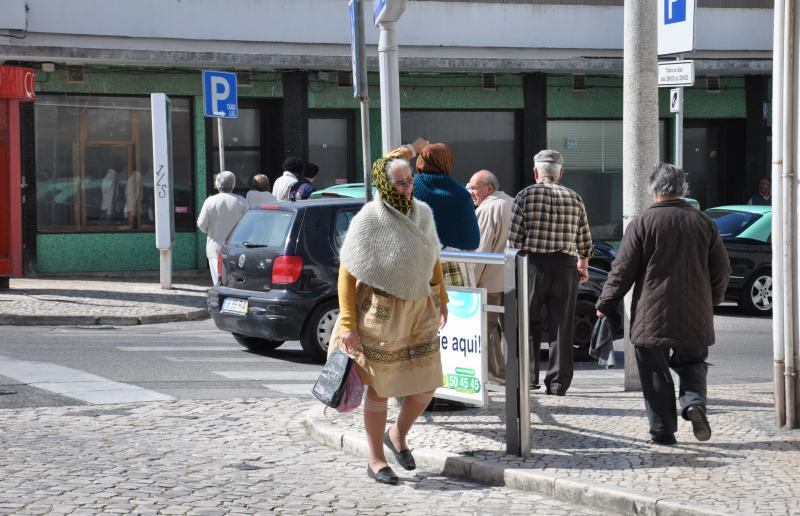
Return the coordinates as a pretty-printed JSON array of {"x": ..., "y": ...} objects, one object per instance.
[
  {"x": 453, "y": 211},
  {"x": 392, "y": 302}
]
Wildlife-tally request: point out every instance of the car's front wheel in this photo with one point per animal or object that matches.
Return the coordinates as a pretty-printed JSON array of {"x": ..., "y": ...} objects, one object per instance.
[
  {"x": 318, "y": 329},
  {"x": 257, "y": 344},
  {"x": 585, "y": 317},
  {"x": 756, "y": 297}
]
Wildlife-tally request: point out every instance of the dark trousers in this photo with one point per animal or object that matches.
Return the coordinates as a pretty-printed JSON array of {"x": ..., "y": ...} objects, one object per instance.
[
  {"x": 553, "y": 284},
  {"x": 659, "y": 390}
]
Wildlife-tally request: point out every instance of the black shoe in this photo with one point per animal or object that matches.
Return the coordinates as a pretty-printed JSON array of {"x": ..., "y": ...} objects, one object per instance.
[
  {"x": 663, "y": 439},
  {"x": 403, "y": 457},
  {"x": 384, "y": 476},
  {"x": 697, "y": 415}
]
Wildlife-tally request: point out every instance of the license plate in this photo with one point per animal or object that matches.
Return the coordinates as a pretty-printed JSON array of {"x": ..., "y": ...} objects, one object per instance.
[{"x": 232, "y": 305}]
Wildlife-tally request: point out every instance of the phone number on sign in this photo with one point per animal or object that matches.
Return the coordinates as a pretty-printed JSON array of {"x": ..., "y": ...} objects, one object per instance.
[{"x": 465, "y": 384}]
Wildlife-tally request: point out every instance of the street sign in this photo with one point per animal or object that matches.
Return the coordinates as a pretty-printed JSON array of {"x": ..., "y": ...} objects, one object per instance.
[
  {"x": 674, "y": 100},
  {"x": 675, "y": 26},
  {"x": 387, "y": 10},
  {"x": 357, "y": 48},
  {"x": 219, "y": 94},
  {"x": 675, "y": 73}
]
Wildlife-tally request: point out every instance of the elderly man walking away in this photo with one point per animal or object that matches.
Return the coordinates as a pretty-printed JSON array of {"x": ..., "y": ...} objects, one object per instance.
[
  {"x": 219, "y": 214},
  {"x": 674, "y": 259},
  {"x": 493, "y": 209},
  {"x": 549, "y": 222}
]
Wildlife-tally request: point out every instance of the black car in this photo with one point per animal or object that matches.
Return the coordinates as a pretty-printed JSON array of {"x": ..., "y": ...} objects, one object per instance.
[
  {"x": 279, "y": 272},
  {"x": 746, "y": 232}
]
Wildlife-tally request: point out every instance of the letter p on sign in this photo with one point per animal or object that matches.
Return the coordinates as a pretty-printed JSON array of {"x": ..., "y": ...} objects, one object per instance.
[
  {"x": 674, "y": 11},
  {"x": 219, "y": 94}
]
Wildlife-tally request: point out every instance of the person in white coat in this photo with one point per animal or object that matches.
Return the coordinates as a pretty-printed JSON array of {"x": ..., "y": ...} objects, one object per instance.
[
  {"x": 493, "y": 210},
  {"x": 219, "y": 215}
]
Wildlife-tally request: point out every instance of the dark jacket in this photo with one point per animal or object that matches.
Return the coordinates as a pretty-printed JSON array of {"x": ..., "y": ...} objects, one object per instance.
[
  {"x": 453, "y": 211},
  {"x": 674, "y": 258}
]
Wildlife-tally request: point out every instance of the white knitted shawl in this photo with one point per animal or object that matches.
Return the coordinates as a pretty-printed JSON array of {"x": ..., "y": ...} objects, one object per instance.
[{"x": 391, "y": 251}]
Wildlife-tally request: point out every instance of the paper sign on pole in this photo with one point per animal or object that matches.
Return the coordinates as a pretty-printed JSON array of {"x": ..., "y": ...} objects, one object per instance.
[
  {"x": 675, "y": 73},
  {"x": 162, "y": 170},
  {"x": 463, "y": 345}
]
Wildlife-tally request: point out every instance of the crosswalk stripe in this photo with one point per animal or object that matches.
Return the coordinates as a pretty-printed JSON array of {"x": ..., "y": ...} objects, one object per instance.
[
  {"x": 76, "y": 384},
  {"x": 180, "y": 348},
  {"x": 291, "y": 388},
  {"x": 243, "y": 359},
  {"x": 269, "y": 375}
]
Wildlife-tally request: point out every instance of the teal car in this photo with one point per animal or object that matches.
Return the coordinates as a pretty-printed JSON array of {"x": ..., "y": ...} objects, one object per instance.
[
  {"x": 747, "y": 234},
  {"x": 348, "y": 190}
]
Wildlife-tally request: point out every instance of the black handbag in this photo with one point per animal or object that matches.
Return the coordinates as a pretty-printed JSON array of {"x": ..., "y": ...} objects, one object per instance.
[{"x": 330, "y": 386}]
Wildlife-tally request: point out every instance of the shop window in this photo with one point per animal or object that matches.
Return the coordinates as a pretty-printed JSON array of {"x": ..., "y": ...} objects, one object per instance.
[
  {"x": 592, "y": 151},
  {"x": 479, "y": 140},
  {"x": 94, "y": 164}
]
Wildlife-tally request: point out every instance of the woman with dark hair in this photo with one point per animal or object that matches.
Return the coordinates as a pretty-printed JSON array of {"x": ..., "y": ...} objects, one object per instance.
[
  {"x": 393, "y": 301},
  {"x": 453, "y": 211}
]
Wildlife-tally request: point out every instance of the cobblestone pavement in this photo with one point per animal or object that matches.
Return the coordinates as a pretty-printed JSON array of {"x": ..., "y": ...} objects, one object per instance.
[
  {"x": 213, "y": 457},
  {"x": 61, "y": 300},
  {"x": 600, "y": 434}
]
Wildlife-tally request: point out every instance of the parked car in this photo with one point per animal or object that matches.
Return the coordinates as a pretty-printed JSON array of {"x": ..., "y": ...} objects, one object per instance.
[
  {"x": 747, "y": 233},
  {"x": 279, "y": 270},
  {"x": 602, "y": 255}
]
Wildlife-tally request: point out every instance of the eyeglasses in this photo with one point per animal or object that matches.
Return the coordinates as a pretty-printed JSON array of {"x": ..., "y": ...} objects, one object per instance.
[{"x": 403, "y": 184}]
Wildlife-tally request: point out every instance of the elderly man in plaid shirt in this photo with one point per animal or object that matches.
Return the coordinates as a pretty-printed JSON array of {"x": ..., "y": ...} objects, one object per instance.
[{"x": 549, "y": 222}]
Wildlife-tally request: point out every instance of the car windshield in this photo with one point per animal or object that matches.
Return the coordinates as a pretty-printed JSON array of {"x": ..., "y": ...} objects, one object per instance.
[
  {"x": 265, "y": 228},
  {"x": 732, "y": 223}
]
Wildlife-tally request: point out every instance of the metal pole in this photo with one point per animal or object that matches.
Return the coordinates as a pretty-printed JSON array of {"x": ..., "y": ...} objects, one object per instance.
[
  {"x": 165, "y": 266},
  {"x": 511, "y": 332},
  {"x": 364, "y": 100},
  {"x": 778, "y": 283},
  {"x": 390, "y": 86},
  {"x": 639, "y": 129},
  {"x": 679, "y": 131},
  {"x": 790, "y": 106},
  {"x": 524, "y": 356},
  {"x": 221, "y": 146}
]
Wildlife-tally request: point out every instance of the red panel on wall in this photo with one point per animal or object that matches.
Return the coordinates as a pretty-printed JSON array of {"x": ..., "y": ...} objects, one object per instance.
[
  {"x": 5, "y": 198},
  {"x": 17, "y": 83}
]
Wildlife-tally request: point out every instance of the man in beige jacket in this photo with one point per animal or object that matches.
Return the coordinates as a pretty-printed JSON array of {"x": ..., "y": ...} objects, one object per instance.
[{"x": 493, "y": 209}]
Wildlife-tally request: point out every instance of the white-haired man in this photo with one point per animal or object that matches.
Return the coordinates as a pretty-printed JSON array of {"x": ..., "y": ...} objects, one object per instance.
[
  {"x": 549, "y": 222},
  {"x": 493, "y": 209},
  {"x": 219, "y": 214}
]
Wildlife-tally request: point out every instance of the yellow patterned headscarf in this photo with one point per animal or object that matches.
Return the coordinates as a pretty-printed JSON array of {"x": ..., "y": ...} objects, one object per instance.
[{"x": 381, "y": 180}]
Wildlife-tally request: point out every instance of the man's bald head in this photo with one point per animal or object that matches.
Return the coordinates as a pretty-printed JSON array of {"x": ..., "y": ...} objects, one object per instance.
[{"x": 482, "y": 184}]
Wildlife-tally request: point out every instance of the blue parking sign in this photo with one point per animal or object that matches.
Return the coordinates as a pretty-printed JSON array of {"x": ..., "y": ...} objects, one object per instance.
[
  {"x": 219, "y": 94},
  {"x": 674, "y": 11}
]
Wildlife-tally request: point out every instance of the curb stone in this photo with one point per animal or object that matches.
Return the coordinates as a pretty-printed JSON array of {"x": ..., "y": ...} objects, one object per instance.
[
  {"x": 570, "y": 489},
  {"x": 102, "y": 320}
]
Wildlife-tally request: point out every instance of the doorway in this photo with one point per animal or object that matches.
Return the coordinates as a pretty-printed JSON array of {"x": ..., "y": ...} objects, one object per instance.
[{"x": 714, "y": 160}]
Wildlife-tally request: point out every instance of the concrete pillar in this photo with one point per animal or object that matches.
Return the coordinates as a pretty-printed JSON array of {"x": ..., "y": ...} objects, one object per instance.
[
  {"x": 639, "y": 130},
  {"x": 534, "y": 125}
]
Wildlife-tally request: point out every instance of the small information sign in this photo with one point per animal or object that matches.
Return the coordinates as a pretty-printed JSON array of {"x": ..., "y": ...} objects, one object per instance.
[
  {"x": 464, "y": 348},
  {"x": 675, "y": 73}
]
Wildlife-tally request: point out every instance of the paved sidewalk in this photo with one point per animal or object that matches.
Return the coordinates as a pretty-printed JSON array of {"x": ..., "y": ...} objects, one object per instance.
[
  {"x": 90, "y": 300},
  {"x": 592, "y": 447},
  {"x": 212, "y": 458}
]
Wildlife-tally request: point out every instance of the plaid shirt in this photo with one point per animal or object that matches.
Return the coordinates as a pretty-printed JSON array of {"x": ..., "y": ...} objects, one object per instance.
[{"x": 550, "y": 218}]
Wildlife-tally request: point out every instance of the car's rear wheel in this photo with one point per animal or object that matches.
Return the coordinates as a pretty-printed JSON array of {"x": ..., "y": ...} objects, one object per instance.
[
  {"x": 585, "y": 317},
  {"x": 257, "y": 344},
  {"x": 318, "y": 329},
  {"x": 756, "y": 297}
]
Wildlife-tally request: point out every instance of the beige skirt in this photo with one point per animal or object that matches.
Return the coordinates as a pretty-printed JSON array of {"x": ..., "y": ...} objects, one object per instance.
[{"x": 398, "y": 353}]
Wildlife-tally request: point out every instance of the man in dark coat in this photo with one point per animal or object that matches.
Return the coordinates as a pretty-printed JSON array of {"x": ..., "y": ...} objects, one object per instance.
[{"x": 675, "y": 261}]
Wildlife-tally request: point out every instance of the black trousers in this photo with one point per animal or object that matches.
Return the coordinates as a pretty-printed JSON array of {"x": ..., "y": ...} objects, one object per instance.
[
  {"x": 659, "y": 389},
  {"x": 553, "y": 284}
]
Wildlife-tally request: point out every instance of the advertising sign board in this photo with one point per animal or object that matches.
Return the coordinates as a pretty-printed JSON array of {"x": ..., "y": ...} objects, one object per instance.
[
  {"x": 464, "y": 347},
  {"x": 162, "y": 170}
]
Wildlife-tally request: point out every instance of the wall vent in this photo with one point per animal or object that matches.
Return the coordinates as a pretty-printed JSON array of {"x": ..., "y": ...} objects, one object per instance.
[
  {"x": 579, "y": 82},
  {"x": 244, "y": 78},
  {"x": 489, "y": 81},
  {"x": 75, "y": 74},
  {"x": 344, "y": 79},
  {"x": 712, "y": 83}
]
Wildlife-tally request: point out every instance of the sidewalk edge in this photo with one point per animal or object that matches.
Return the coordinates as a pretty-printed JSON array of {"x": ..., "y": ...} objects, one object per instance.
[
  {"x": 570, "y": 489},
  {"x": 92, "y": 320}
]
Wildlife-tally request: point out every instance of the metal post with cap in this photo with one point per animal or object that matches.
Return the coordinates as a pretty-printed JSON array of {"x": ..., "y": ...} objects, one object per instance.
[{"x": 386, "y": 14}]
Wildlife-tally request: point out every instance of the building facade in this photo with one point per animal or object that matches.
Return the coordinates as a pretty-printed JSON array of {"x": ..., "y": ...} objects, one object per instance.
[{"x": 497, "y": 80}]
